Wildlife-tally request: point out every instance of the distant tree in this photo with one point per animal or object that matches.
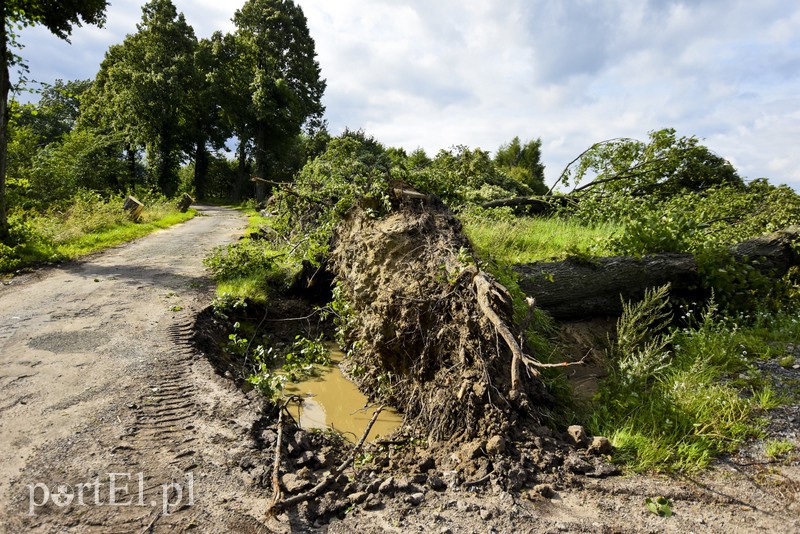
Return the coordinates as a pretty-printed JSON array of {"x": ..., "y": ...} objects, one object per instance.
[
  {"x": 273, "y": 47},
  {"x": 56, "y": 113},
  {"x": 59, "y": 17},
  {"x": 104, "y": 111},
  {"x": 143, "y": 91},
  {"x": 523, "y": 163},
  {"x": 206, "y": 126},
  {"x": 662, "y": 166},
  {"x": 418, "y": 159},
  {"x": 232, "y": 77}
]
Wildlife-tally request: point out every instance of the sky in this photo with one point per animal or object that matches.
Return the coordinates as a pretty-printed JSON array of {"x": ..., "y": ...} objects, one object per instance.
[{"x": 433, "y": 75}]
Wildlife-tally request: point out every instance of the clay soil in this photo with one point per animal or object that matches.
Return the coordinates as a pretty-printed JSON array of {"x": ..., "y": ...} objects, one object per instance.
[{"x": 103, "y": 377}]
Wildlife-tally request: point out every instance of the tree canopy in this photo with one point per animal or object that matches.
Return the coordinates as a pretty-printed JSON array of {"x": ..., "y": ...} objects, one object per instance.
[
  {"x": 664, "y": 165},
  {"x": 143, "y": 86},
  {"x": 276, "y": 53},
  {"x": 58, "y": 16}
]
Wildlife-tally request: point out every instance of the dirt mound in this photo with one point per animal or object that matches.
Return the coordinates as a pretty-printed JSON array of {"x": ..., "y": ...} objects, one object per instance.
[{"x": 432, "y": 334}]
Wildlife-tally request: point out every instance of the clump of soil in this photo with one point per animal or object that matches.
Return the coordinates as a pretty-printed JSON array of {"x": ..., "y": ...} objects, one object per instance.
[{"x": 423, "y": 341}]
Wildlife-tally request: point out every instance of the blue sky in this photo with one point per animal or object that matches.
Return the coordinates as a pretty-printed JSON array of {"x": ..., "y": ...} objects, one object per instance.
[{"x": 436, "y": 74}]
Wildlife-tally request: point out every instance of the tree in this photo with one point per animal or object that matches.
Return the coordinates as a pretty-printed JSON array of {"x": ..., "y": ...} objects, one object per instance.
[
  {"x": 142, "y": 87},
  {"x": 523, "y": 163},
  {"x": 58, "y": 16},
  {"x": 273, "y": 46},
  {"x": 206, "y": 125},
  {"x": 57, "y": 111},
  {"x": 232, "y": 77},
  {"x": 663, "y": 166}
]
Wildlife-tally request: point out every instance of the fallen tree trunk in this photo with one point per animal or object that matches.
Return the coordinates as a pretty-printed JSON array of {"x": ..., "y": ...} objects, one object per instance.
[
  {"x": 582, "y": 289},
  {"x": 574, "y": 290},
  {"x": 535, "y": 205}
]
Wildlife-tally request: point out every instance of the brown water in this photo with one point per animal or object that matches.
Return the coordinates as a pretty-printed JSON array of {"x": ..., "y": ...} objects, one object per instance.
[{"x": 332, "y": 401}]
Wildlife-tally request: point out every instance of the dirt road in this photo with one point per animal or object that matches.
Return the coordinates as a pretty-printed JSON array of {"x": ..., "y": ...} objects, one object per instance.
[
  {"x": 95, "y": 380},
  {"x": 110, "y": 421}
]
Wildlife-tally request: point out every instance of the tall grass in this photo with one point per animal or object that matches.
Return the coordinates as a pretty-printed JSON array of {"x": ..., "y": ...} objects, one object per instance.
[
  {"x": 88, "y": 223},
  {"x": 529, "y": 239},
  {"x": 690, "y": 395}
]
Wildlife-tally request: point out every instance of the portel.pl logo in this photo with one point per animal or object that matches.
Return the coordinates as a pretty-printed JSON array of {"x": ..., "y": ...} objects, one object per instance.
[{"x": 115, "y": 489}]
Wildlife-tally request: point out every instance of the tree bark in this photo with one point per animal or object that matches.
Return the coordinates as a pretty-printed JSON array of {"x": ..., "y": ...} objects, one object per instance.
[
  {"x": 242, "y": 178},
  {"x": 130, "y": 155},
  {"x": 5, "y": 86},
  {"x": 581, "y": 289},
  {"x": 200, "y": 170},
  {"x": 572, "y": 290}
]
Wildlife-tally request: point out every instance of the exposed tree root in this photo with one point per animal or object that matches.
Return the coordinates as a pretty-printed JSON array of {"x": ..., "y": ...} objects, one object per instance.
[{"x": 434, "y": 335}]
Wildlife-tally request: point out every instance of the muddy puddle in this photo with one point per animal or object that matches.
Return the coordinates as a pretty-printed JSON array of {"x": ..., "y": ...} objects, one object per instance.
[{"x": 332, "y": 401}]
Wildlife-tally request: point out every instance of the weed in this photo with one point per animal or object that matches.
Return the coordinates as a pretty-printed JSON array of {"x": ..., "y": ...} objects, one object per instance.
[
  {"x": 669, "y": 402},
  {"x": 776, "y": 449},
  {"x": 661, "y": 506}
]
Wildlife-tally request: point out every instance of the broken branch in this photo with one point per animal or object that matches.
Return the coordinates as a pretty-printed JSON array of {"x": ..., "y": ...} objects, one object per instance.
[{"x": 276, "y": 507}]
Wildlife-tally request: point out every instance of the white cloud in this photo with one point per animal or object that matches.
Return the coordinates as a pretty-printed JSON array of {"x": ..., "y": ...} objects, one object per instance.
[{"x": 434, "y": 74}]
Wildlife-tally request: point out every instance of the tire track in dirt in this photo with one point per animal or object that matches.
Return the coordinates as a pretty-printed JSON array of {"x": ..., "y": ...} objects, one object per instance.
[{"x": 98, "y": 380}]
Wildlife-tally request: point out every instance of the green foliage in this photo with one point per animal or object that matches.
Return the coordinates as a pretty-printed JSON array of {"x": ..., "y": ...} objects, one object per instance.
[
  {"x": 236, "y": 258},
  {"x": 305, "y": 353},
  {"x": 267, "y": 370},
  {"x": 351, "y": 171},
  {"x": 655, "y": 232},
  {"x": 85, "y": 223},
  {"x": 58, "y": 17},
  {"x": 523, "y": 163},
  {"x": 56, "y": 113},
  {"x": 248, "y": 268},
  {"x": 661, "y": 506},
  {"x": 661, "y": 167},
  {"x": 462, "y": 175},
  {"x": 277, "y": 70},
  {"x": 142, "y": 87},
  {"x": 669, "y": 402}
]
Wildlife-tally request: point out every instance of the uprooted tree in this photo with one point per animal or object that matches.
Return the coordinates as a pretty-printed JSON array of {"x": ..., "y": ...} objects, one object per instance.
[
  {"x": 435, "y": 335},
  {"x": 426, "y": 329},
  {"x": 579, "y": 289}
]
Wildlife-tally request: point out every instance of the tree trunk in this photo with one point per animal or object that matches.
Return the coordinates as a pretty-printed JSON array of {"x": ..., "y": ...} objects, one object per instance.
[
  {"x": 5, "y": 85},
  {"x": 581, "y": 289},
  {"x": 200, "y": 170},
  {"x": 262, "y": 162},
  {"x": 573, "y": 290},
  {"x": 242, "y": 179},
  {"x": 130, "y": 156}
]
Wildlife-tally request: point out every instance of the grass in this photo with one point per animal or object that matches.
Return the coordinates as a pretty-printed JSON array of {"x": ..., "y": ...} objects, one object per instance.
[
  {"x": 109, "y": 237},
  {"x": 705, "y": 401},
  {"x": 777, "y": 449},
  {"x": 529, "y": 239},
  {"x": 250, "y": 268},
  {"x": 85, "y": 225}
]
